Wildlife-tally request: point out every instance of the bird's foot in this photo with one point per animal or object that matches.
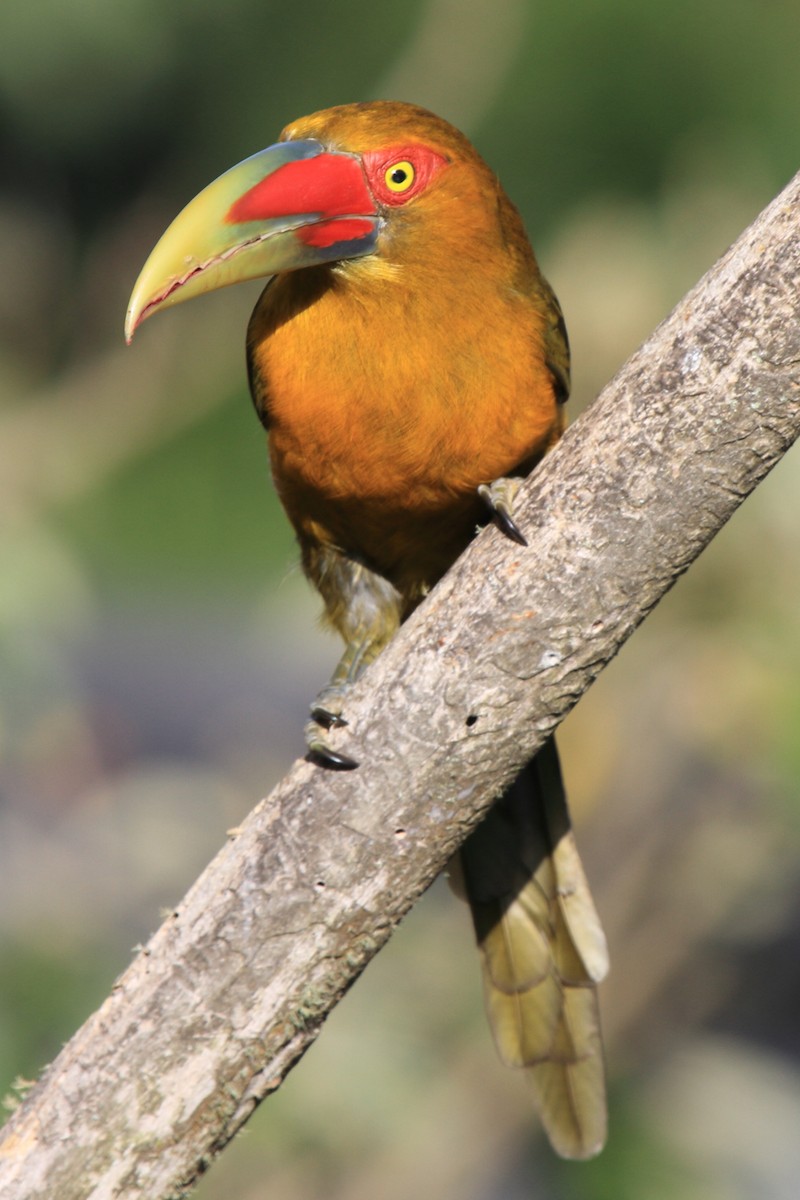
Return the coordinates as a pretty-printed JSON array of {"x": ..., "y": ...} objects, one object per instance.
[
  {"x": 326, "y": 713},
  {"x": 499, "y": 499}
]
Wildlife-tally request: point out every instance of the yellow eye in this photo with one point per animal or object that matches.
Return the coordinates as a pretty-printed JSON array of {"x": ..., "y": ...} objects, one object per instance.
[{"x": 399, "y": 177}]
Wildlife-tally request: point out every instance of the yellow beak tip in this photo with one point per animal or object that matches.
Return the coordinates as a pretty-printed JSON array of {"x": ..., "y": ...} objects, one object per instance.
[{"x": 133, "y": 319}]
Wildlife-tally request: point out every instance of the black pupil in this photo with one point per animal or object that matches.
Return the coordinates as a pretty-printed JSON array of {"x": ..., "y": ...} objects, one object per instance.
[{"x": 399, "y": 175}]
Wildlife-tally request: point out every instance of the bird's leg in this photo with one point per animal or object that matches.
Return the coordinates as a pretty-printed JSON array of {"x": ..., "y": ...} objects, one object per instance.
[
  {"x": 499, "y": 499},
  {"x": 365, "y": 608},
  {"x": 326, "y": 711}
]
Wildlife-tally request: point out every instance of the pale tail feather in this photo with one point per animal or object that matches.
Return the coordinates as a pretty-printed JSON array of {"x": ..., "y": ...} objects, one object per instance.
[{"x": 543, "y": 952}]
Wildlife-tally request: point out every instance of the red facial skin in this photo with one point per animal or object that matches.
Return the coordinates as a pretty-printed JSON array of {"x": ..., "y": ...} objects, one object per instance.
[
  {"x": 426, "y": 163},
  {"x": 336, "y": 185}
]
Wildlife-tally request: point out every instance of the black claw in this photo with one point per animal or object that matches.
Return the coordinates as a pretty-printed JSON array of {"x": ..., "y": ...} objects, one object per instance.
[
  {"x": 324, "y": 757},
  {"x": 326, "y": 719},
  {"x": 509, "y": 526}
]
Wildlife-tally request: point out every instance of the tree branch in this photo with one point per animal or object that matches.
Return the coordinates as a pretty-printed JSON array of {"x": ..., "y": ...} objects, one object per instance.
[{"x": 235, "y": 985}]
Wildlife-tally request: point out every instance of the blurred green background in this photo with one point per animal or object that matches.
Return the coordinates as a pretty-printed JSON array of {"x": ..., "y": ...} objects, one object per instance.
[{"x": 158, "y": 647}]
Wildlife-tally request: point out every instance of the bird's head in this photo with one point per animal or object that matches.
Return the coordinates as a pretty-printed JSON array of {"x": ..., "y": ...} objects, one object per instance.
[{"x": 341, "y": 184}]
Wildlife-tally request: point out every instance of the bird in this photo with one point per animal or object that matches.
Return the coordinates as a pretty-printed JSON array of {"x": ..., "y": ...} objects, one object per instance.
[{"x": 410, "y": 365}]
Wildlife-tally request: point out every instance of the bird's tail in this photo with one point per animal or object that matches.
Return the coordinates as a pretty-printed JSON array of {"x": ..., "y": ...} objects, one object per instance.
[{"x": 543, "y": 952}]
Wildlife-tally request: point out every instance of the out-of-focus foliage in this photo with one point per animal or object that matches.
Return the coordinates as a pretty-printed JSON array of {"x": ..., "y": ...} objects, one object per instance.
[{"x": 157, "y": 647}]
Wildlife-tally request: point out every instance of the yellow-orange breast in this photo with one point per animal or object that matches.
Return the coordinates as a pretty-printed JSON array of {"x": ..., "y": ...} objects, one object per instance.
[{"x": 390, "y": 397}]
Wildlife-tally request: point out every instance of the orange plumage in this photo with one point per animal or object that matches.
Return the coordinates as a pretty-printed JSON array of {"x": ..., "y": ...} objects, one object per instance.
[
  {"x": 394, "y": 385},
  {"x": 406, "y": 353}
]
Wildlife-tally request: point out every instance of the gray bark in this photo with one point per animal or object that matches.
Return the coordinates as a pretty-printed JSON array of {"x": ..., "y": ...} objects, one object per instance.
[{"x": 235, "y": 985}]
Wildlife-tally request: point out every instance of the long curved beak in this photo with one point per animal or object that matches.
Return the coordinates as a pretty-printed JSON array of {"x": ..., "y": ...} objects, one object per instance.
[{"x": 292, "y": 205}]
